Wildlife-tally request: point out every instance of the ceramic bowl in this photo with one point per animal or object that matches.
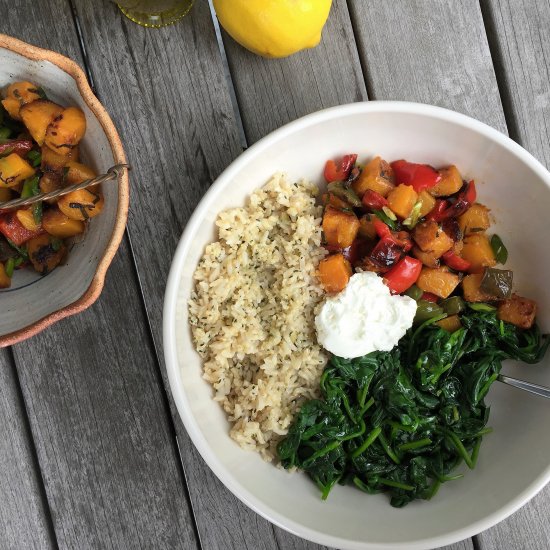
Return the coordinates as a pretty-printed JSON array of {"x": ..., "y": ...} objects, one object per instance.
[
  {"x": 514, "y": 462},
  {"x": 34, "y": 302}
]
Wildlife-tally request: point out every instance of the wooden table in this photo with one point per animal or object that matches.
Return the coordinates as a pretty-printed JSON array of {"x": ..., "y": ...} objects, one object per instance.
[{"x": 92, "y": 451}]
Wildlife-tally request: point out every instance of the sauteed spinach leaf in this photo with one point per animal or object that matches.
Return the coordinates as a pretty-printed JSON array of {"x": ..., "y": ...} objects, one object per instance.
[{"x": 400, "y": 422}]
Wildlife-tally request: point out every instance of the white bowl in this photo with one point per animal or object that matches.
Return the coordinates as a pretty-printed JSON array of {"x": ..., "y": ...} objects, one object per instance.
[
  {"x": 514, "y": 462},
  {"x": 34, "y": 302}
]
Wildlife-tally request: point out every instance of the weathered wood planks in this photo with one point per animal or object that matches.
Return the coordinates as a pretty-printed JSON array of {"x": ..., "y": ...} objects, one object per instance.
[{"x": 92, "y": 390}]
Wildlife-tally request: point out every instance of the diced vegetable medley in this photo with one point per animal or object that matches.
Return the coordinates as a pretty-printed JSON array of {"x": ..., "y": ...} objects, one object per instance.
[
  {"x": 39, "y": 153},
  {"x": 423, "y": 231}
]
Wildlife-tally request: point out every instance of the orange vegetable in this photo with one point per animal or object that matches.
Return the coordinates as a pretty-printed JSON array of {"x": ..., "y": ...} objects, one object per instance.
[
  {"x": 518, "y": 311},
  {"x": 401, "y": 200},
  {"x": 66, "y": 130},
  {"x": 428, "y": 203},
  {"x": 450, "y": 324},
  {"x": 450, "y": 183},
  {"x": 471, "y": 287},
  {"x": 430, "y": 237},
  {"x": 366, "y": 226},
  {"x": 13, "y": 170},
  {"x": 37, "y": 116},
  {"x": 59, "y": 225},
  {"x": 376, "y": 175},
  {"x": 340, "y": 228},
  {"x": 26, "y": 219},
  {"x": 438, "y": 281},
  {"x": 475, "y": 219},
  {"x": 83, "y": 204},
  {"x": 17, "y": 95},
  {"x": 334, "y": 273},
  {"x": 44, "y": 255},
  {"x": 427, "y": 258},
  {"x": 477, "y": 250},
  {"x": 78, "y": 173}
]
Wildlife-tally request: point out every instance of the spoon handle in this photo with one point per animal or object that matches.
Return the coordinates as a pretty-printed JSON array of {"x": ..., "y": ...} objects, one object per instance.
[{"x": 527, "y": 386}]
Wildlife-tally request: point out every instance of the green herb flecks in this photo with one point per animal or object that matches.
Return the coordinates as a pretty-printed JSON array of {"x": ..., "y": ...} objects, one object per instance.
[{"x": 400, "y": 422}]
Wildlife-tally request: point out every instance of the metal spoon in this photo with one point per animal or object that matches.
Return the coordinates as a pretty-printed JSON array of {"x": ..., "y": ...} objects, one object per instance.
[{"x": 527, "y": 386}]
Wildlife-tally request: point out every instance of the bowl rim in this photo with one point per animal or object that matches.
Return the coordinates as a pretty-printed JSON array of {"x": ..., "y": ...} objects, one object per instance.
[
  {"x": 93, "y": 291},
  {"x": 169, "y": 327}
]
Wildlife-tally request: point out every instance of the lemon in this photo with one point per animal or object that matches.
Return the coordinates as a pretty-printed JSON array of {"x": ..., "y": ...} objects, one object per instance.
[{"x": 274, "y": 28}]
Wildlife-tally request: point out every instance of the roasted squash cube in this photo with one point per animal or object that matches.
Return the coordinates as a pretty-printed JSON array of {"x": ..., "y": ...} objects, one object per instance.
[
  {"x": 377, "y": 175},
  {"x": 85, "y": 203},
  {"x": 334, "y": 272},
  {"x": 401, "y": 200},
  {"x": 428, "y": 203},
  {"x": 44, "y": 254},
  {"x": 78, "y": 173},
  {"x": 13, "y": 170},
  {"x": 37, "y": 116},
  {"x": 5, "y": 281},
  {"x": 366, "y": 226},
  {"x": 438, "y": 281},
  {"x": 430, "y": 237},
  {"x": 450, "y": 183},
  {"x": 475, "y": 219},
  {"x": 427, "y": 258},
  {"x": 478, "y": 251},
  {"x": 450, "y": 324},
  {"x": 471, "y": 287},
  {"x": 59, "y": 225},
  {"x": 518, "y": 310},
  {"x": 66, "y": 130},
  {"x": 17, "y": 95},
  {"x": 340, "y": 227}
]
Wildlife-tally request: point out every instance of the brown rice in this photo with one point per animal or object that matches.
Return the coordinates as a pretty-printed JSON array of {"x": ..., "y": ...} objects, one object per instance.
[{"x": 252, "y": 311}]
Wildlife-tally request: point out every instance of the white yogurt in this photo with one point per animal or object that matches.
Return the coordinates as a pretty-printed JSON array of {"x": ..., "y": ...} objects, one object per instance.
[{"x": 364, "y": 317}]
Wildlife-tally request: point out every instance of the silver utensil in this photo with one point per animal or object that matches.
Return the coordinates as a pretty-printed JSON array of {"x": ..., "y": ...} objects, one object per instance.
[
  {"x": 527, "y": 386},
  {"x": 112, "y": 174}
]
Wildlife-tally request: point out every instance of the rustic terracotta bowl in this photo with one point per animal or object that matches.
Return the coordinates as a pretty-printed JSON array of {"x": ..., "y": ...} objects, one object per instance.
[{"x": 33, "y": 303}]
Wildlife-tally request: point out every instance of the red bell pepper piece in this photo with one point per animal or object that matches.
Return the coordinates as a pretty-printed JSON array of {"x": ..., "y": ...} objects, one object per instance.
[
  {"x": 358, "y": 249},
  {"x": 456, "y": 262},
  {"x": 382, "y": 230},
  {"x": 419, "y": 176},
  {"x": 429, "y": 297},
  {"x": 373, "y": 200},
  {"x": 403, "y": 275},
  {"x": 334, "y": 172},
  {"x": 13, "y": 230},
  {"x": 444, "y": 210},
  {"x": 19, "y": 146}
]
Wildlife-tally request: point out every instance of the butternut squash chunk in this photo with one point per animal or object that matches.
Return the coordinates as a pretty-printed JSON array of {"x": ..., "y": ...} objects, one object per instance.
[
  {"x": 13, "y": 170},
  {"x": 430, "y": 237},
  {"x": 340, "y": 228},
  {"x": 376, "y": 175},
  {"x": 5, "y": 281},
  {"x": 518, "y": 310},
  {"x": 78, "y": 173},
  {"x": 401, "y": 200},
  {"x": 17, "y": 95},
  {"x": 66, "y": 130},
  {"x": 428, "y": 203},
  {"x": 26, "y": 219},
  {"x": 37, "y": 116},
  {"x": 450, "y": 324},
  {"x": 334, "y": 272},
  {"x": 44, "y": 254},
  {"x": 475, "y": 219},
  {"x": 59, "y": 225},
  {"x": 438, "y": 281},
  {"x": 477, "y": 250},
  {"x": 450, "y": 183},
  {"x": 366, "y": 226},
  {"x": 471, "y": 288},
  {"x": 427, "y": 258},
  {"x": 87, "y": 203}
]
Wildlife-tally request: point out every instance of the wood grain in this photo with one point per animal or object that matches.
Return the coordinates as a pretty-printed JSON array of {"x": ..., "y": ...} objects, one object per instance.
[
  {"x": 272, "y": 92},
  {"x": 433, "y": 51},
  {"x": 518, "y": 32},
  {"x": 93, "y": 394},
  {"x": 24, "y": 513}
]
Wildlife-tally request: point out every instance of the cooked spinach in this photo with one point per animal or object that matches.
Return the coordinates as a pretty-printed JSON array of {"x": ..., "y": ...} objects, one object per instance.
[{"x": 400, "y": 422}]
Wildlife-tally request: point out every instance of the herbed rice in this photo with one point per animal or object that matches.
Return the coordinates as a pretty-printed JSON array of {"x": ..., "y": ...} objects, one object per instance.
[{"x": 253, "y": 307}]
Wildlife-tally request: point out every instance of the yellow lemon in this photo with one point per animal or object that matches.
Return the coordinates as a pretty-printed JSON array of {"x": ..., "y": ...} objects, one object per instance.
[{"x": 274, "y": 28}]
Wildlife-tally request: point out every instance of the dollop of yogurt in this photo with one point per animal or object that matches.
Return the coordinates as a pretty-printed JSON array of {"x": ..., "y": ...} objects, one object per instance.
[{"x": 364, "y": 317}]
